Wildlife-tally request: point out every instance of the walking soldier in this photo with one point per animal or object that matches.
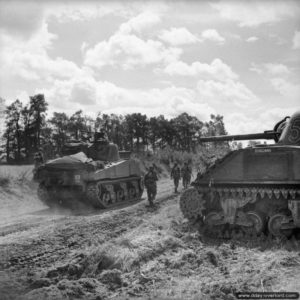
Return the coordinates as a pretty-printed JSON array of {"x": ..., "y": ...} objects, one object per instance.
[
  {"x": 175, "y": 175},
  {"x": 186, "y": 175},
  {"x": 150, "y": 180}
]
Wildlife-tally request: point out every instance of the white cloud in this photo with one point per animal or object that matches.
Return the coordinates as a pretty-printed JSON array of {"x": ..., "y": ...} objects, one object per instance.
[
  {"x": 270, "y": 69},
  {"x": 178, "y": 36},
  {"x": 296, "y": 40},
  {"x": 277, "y": 69},
  {"x": 141, "y": 22},
  {"x": 29, "y": 59},
  {"x": 216, "y": 70},
  {"x": 93, "y": 96},
  {"x": 212, "y": 35},
  {"x": 226, "y": 93},
  {"x": 252, "y": 39},
  {"x": 286, "y": 88},
  {"x": 240, "y": 123},
  {"x": 129, "y": 51},
  {"x": 81, "y": 11},
  {"x": 255, "y": 13}
]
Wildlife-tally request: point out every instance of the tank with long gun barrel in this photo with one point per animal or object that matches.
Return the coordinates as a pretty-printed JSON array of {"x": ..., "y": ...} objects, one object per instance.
[
  {"x": 266, "y": 135},
  {"x": 250, "y": 191}
]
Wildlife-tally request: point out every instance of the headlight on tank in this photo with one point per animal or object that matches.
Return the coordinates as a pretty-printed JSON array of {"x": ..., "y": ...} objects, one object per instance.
[{"x": 77, "y": 178}]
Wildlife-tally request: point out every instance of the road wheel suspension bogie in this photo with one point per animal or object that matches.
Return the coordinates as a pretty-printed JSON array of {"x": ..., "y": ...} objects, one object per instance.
[
  {"x": 113, "y": 193},
  {"x": 240, "y": 211}
]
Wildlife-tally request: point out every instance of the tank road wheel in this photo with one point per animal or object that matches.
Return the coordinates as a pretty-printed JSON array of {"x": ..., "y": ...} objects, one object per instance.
[
  {"x": 106, "y": 199},
  {"x": 212, "y": 228},
  {"x": 274, "y": 226},
  {"x": 131, "y": 191},
  {"x": 192, "y": 204},
  {"x": 258, "y": 221},
  {"x": 94, "y": 192},
  {"x": 120, "y": 195}
]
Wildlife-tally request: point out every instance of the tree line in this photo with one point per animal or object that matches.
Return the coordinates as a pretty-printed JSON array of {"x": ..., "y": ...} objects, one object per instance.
[{"x": 28, "y": 129}]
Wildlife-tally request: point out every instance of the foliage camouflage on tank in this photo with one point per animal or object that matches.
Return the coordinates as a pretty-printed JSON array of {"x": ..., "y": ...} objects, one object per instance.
[{"x": 250, "y": 191}]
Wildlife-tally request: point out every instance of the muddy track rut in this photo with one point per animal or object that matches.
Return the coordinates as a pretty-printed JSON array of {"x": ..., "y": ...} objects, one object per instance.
[{"x": 42, "y": 241}]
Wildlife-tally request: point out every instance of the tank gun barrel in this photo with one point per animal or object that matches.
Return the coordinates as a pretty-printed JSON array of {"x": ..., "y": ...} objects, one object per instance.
[{"x": 266, "y": 135}]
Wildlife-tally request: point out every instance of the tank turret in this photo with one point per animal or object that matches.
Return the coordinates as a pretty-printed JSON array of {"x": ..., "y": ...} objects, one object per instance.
[{"x": 250, "y": 191}]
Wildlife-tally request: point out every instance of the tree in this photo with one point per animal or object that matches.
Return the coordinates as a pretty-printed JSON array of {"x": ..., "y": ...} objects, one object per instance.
[
  {"x": 59, "y": 134},
  {"x": 14, "y": 131},
  {"x": 137, "y": 129},
  {"x": 34, "y": 115}
]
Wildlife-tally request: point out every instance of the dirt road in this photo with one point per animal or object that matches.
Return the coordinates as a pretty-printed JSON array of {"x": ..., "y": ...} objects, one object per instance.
[{"x": 130, "y": 252}]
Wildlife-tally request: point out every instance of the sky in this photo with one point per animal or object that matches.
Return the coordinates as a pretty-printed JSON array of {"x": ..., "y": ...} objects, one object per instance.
[{"x": 239, "y": 59}]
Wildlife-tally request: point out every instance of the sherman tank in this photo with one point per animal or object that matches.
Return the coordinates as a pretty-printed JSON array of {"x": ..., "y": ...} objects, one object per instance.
[
  {"x": 92, "y": 173},
  {"x": 250, "y": 191}
]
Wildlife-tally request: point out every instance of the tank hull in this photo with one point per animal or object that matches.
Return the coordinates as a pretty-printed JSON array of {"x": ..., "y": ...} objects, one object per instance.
[
  {"x": 254, "y": 189},
  {"x": 70, "y": 179}
]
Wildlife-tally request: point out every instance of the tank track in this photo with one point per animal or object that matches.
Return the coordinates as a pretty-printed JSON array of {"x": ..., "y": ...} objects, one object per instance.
[
  {"x": 99, "y": 194},
  {"x": 110, "y": 193},
  {"x": 262, "y": 206}
]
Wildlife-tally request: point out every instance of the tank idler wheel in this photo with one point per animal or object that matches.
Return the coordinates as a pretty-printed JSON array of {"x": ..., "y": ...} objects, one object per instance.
[
  {"x": 258, "y": 221},
  {"x": 192, "y": 204},
  {"x": 274, "y": 226},
  {"x": 106, "y": 199}
]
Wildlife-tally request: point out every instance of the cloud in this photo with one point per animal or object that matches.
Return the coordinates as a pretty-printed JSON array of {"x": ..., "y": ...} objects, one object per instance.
[
  {"x": 139, "y": 23},
  {"x": 255, "y": 13},
  {"x": 216, "y": 70},
  {"x": 29, "y": 59},
  {"x": 228, "y": 92},
  {"x": 212, "y": 35},
  {"x": 128, "y": 51},
  {"x": 93, "y": 96},
  {"x": 82, "y": 11},
  {"x": 178, "y": 36},
  {"x": 265, "y": 119},
  {"x": 277, "y": 69},
  {"x": 252, "y": 39},
  {"x": 290, "y": 90},
  {"x": 296, "y": 40},
  {"x": 270, "y": 69}
]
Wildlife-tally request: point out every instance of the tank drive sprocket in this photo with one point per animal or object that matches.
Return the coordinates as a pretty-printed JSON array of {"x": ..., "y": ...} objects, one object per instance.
[{"x": 192, "y": 203}]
